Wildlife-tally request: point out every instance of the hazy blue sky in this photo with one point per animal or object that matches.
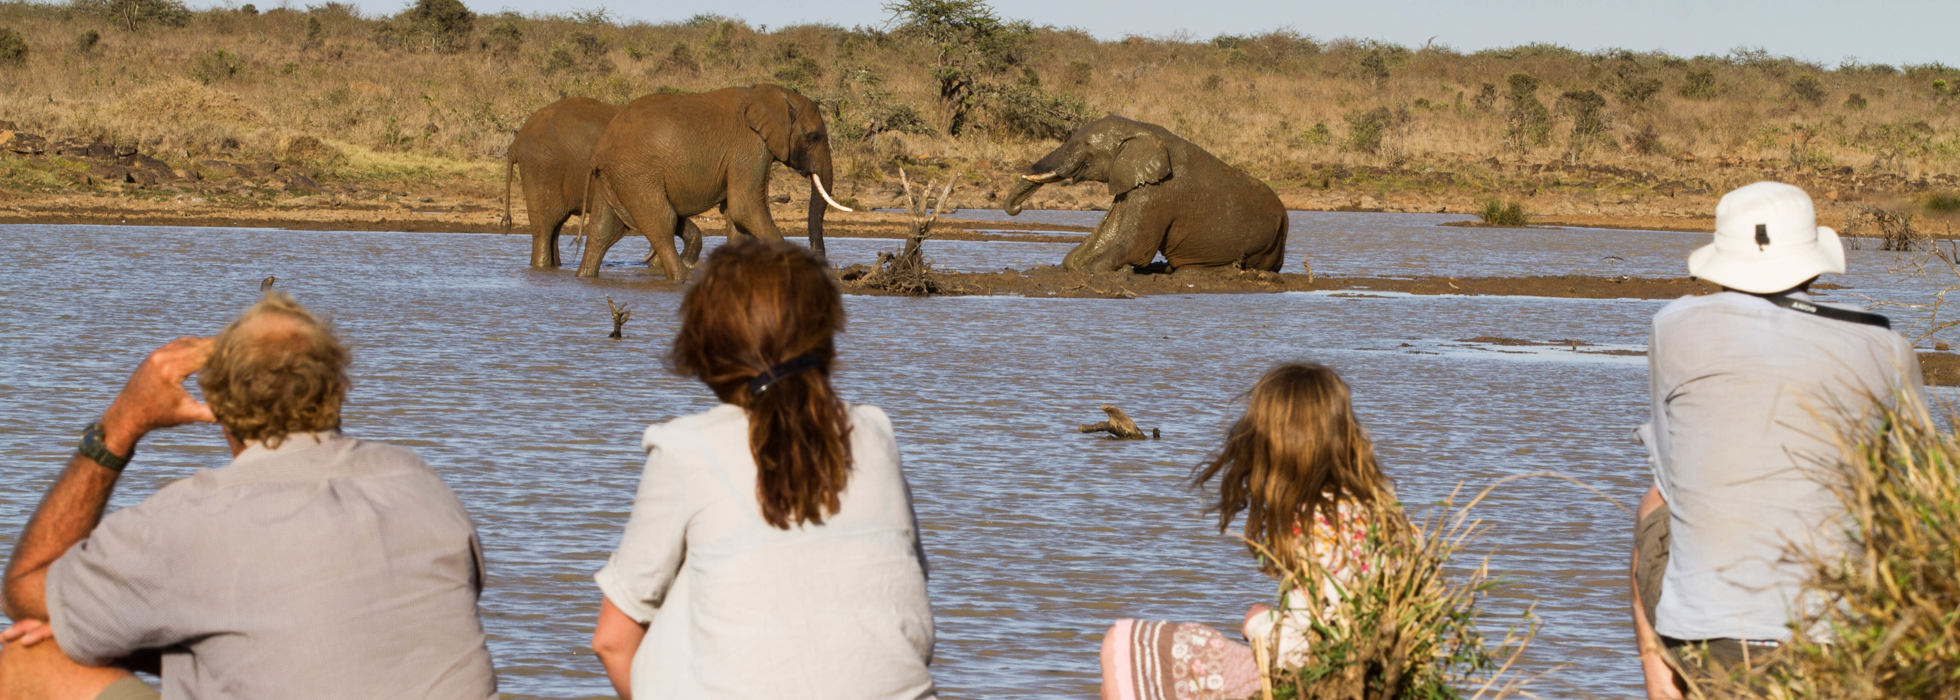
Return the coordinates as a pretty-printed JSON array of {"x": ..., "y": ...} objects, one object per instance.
[{"x": 1898, "y": 32}]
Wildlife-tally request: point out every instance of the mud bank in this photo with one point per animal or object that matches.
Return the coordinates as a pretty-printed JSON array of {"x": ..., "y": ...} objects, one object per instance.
[{"x": 1054, "y": 281}]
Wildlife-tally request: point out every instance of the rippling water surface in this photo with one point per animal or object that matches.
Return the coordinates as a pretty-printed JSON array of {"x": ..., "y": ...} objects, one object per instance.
[{"x": 503, "y": 378}]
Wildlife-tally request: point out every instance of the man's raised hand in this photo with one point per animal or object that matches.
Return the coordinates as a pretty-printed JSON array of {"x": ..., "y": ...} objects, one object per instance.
[{"x": 155, "y": 396}]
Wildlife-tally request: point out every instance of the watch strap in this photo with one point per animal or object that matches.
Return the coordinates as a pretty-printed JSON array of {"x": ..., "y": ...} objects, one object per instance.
[{"x": 95, "y": 446}]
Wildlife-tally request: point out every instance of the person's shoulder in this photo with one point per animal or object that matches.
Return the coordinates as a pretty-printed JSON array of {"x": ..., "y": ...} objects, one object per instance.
[
  {"x": 864, "y": 414},
  {"x": 721, "y": 418}
]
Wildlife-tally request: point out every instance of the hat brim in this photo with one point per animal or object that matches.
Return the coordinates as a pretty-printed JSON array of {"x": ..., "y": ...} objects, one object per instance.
[{"x": 1760, "y": 275}]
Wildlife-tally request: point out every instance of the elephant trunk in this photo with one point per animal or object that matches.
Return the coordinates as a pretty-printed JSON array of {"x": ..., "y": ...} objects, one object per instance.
[{"x": 820, "y": 202}]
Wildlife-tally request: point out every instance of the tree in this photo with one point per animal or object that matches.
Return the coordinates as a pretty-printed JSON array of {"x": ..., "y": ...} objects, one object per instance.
[
  {"x": 972, "y": 49},
  {"x": 132, "y": 14}
]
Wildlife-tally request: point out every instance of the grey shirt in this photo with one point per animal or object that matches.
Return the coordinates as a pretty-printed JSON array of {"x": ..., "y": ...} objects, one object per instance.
[
  {"x": 328, "y": 568},
  {"x": 1748, "y": 401}
]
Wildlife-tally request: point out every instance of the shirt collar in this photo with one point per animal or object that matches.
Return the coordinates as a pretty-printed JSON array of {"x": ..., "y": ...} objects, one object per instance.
[{"x": 256, "y": 450}]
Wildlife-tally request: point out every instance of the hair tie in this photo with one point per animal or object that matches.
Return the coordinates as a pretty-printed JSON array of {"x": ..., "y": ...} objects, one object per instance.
[{"x": 788, "y": 368}]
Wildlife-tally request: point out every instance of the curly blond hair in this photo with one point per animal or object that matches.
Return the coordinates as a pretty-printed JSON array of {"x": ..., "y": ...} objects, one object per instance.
[{"x": 275, "y": 371}]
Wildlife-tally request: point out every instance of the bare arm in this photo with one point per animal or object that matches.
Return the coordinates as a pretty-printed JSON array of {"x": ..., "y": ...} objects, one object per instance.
[
  {"x": 1661, "y": 683},
  {"x": 615, "y": 639},
  {"x": 154, "y": 398}
]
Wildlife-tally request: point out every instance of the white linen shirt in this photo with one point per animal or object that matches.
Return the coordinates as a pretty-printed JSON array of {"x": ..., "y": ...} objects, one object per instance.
[
  {"x": 1748, "y": 401},
  {"x": 737, "y": 608}
]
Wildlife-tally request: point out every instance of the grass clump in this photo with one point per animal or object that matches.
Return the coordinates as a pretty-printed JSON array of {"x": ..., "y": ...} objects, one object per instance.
[
  {"x": 13, "y": 49},
  {"x": 1498, "y": 213},
  {"x": 1889, "y": 625},
  {"x": 1408, "y": 625}
]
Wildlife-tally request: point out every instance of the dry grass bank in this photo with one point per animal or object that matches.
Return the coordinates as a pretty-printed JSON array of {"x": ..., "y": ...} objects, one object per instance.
[{"x": 368, "y": 107}]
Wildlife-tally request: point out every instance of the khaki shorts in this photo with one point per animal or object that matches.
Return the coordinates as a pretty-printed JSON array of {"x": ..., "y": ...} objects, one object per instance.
[{"x": 129, "y": 688}]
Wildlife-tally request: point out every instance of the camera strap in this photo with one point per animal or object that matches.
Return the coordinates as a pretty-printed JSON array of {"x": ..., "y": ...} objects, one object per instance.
[{"x": 1830, "y": 312}]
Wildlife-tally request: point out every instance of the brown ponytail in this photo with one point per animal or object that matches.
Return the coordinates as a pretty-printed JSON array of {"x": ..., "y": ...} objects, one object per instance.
[{"x": 760, "y": 313}]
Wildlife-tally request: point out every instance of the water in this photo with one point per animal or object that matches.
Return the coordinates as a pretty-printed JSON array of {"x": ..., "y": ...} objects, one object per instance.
[{"x": 1038, "y": 537}]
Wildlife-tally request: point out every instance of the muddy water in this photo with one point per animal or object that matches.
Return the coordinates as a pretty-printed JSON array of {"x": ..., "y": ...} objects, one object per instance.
[{"x": 502, "y": 377}]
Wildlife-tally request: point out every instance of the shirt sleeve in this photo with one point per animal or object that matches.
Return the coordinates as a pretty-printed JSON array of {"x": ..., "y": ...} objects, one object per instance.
[
  {"x": 642, "y": 569},
  {"x": 111, "y": 595}
]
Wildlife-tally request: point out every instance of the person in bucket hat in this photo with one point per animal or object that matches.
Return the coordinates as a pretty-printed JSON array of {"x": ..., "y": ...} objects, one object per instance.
[{"x": 1750, "y": 387}]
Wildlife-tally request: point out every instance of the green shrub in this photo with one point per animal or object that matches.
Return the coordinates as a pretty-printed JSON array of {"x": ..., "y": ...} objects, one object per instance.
[
  {"x": 442, "y": 26},
  {"x": 1079, "y": 73},
  {"x": 1587, "y": 110},
  {"x": 1029, "y": 112},
  {"x": 1807, "y": 89},
  {"x": 1528, "y": 123},
  {"x": 506, "y": 38},
  {"x": 86, "y": 41},
  {"x": 213, "y": 66},
  {"x": 133, "y": 14},
  {"x": 1856, "y": 102},
  {"x": 1698, "y": 85},
  {"x": 1941, "y": 202},
  {"x": 1498, "y": 213},
  {"x": 13, "y": 49},
  {"x": 1366, "y": 130}
]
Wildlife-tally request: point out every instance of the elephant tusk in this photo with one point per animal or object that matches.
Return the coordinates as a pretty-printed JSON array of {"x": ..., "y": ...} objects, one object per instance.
[
  {"x": 826, "y": 193},
  {"x": 1042, "y": 178}
]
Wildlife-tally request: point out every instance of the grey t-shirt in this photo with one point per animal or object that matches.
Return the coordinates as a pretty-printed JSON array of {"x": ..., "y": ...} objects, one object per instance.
[
  {"x": 1748, "y": 400},
  {"x": 328, "y": 568}
]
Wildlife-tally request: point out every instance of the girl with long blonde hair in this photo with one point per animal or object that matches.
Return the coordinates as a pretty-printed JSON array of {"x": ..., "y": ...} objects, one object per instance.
[{"x": 1301, "y": 469}]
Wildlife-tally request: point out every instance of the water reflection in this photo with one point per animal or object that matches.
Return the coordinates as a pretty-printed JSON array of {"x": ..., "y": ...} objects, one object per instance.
[{"x": 502, "y": 377}]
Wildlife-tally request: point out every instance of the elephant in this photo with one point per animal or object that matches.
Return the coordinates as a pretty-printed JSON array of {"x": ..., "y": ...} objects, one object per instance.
[
  {"x": 553, "y": 151},
  {"x": 668, "y": 157},
  {"x": 1171, "y": 197}
]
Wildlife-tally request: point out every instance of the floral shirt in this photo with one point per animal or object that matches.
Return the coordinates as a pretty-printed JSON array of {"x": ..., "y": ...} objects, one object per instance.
[{"x": 1339, "y": 548}]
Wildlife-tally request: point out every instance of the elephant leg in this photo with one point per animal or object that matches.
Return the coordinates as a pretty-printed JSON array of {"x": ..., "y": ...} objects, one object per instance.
[
  {"x": 547, "y": 217},
  {"x": 690, "y": 235},
  {"x": 747, "y": 209},
  {"x": 605, "y": 230},
  {"x": 691, "y": 240},
  {"x": 1128, "y": 235},
  {"x": 656, "y": 219}
]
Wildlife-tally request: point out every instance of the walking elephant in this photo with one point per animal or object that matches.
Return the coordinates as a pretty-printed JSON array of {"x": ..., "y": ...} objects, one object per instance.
[
  {"x": 1171, "y": 197},
  {"x": 667, "y": 157},
  {"x": 552, "y": 154}
]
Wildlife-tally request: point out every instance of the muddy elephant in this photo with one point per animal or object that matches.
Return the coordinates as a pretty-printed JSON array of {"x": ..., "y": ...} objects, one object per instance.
[
  {"x": 1171, "y": 197},
  {"x": 668, "y": 157},
  {"x": 552, "y": 154}
]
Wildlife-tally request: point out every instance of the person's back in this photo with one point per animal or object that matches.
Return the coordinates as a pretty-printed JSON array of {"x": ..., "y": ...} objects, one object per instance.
[
  {"x": 1751, "y": 389},
  {"x": 1749, "y": 399},
  {"x": 328, "y": 567},
  {"x": 313, "y": 565}
]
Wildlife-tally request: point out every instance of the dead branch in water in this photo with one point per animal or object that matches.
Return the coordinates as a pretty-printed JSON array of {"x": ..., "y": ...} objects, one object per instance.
[
  {"x": 907, "y": 272},
  {"x": 619, "y": 316},
  {"x": 1894, "y": 228},
  {"x": 1119, "y": 426}
]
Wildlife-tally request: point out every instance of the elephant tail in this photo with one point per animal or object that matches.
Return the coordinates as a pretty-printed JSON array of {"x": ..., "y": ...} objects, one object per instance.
[
  {"x": 509, "y": 167},
  {"x": 585, "y": 205}
]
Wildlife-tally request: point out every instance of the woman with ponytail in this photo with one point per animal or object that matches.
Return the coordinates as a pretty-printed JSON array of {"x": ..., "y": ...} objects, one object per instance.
[{"x": 772, "y": 550}]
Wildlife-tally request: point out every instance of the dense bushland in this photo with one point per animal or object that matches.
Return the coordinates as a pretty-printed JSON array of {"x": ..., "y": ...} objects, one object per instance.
[{"x": 437, "y": 90}]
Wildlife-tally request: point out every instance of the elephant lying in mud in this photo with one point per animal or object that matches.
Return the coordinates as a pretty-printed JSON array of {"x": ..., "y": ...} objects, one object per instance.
[
  {"x": 1171, "y": 197},
  {"x": 552, "y": 158}
]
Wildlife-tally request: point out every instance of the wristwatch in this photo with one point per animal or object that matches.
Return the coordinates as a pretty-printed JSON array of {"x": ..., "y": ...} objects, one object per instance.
[{"x": 96, "y": 448}]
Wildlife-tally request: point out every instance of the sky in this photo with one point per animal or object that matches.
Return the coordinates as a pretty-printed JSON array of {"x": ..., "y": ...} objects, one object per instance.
[{"x": 1826, "y": 32}]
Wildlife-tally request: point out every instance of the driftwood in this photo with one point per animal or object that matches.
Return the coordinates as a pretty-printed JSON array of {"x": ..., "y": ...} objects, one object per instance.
[
  {"x": 619, "y": 316},
  {"x": 907, "y": 272},
  {"x": 1119, "y": 426},
  {"x": 265, "y": 285}
]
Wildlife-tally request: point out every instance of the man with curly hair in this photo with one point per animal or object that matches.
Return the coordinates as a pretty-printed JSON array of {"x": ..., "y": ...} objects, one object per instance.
[{"x": 313, "y": 565}]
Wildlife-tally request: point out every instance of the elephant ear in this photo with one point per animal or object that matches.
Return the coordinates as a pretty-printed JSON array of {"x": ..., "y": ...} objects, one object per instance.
[
  {"x": 1140, "y": 160},
  {"x": 770, "y": 116}
]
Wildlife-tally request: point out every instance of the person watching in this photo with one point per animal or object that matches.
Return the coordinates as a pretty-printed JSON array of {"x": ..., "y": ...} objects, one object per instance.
[
  {"x": 313, "y": 565},
  {"x": 1750, "y": 388}
]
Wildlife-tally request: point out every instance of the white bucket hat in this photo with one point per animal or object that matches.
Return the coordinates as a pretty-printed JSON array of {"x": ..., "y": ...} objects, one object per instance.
[{"x": 1767, "y": 240}]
